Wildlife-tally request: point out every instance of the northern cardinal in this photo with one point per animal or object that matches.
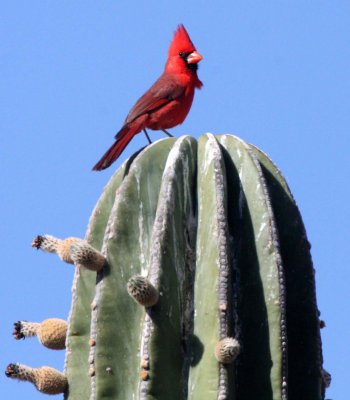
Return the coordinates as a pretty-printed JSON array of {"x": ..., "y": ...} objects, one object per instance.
[{"x": 167, "y": 103}]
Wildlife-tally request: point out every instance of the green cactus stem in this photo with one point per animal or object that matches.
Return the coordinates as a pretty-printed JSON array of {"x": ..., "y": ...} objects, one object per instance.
[
  {"x": 47, "y": 380},
  {"x": 207, "y": 237},
  {"x": 51, "y": 332}
]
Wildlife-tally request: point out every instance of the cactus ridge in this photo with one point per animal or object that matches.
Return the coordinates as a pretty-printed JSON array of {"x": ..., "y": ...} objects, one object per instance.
[
  {"x": 303, "y": 329},
  {"x": 126, "y": 247},
  {"x": 77, "y": 363},
  {"x": 165, "y": 336}
]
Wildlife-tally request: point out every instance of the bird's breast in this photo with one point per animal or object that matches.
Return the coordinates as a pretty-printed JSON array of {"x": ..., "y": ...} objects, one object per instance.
[{"x": 173, "y": 113}]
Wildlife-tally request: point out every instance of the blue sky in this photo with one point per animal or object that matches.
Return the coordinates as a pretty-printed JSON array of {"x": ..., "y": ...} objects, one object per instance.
[{"x": 275, "y": 73}]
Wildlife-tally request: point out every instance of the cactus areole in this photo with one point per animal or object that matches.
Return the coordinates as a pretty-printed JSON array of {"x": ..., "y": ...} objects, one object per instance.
[{"x": 203, "y": 287}]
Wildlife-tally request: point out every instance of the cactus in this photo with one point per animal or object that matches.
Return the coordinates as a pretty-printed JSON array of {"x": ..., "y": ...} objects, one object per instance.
[{"x": 194, "y": 281}]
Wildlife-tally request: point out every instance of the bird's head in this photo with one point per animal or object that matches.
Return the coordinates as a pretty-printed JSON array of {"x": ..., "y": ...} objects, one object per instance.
[{"x": 182, "y": 55}]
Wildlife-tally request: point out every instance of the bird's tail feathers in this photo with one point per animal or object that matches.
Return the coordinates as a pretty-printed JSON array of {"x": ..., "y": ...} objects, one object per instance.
[{"x": 111, "y": 155}]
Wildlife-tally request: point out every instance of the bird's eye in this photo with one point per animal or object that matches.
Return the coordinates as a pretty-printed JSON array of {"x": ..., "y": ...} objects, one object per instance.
[{"x": 182, "y": 54}]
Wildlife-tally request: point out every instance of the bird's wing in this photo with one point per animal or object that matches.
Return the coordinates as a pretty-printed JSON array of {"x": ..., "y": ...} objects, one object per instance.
[{"x": 164, "y": 90}]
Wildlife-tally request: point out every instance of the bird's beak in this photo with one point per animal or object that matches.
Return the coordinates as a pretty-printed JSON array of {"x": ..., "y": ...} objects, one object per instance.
[{"x": 194, "y": 57}]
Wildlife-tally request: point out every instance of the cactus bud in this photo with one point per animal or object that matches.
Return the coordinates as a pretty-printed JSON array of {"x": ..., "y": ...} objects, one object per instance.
[
  {"x": 86, "y": 256},
  {"x": 54, "y": 245},
  {"x": 51, "y": 332},
  {"x": 46, "y": 379},
  {"x": 227, "y": 350},
  {"x": 141, "y": 289}
]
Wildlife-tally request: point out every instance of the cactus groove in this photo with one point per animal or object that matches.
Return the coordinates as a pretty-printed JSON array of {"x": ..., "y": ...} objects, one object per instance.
[{"x": 207, "y": 238}]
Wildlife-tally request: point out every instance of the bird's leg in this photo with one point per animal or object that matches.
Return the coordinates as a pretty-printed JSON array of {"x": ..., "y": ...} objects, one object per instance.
[
  {"x": 169, "y": 134},
  {"x": 148, "y": 138}
]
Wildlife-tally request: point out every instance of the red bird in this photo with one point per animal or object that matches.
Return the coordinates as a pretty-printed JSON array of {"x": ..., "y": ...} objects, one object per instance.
[{"x": 167, "y": 103}]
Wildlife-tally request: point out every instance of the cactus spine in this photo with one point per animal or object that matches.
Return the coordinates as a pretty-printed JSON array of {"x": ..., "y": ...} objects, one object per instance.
[{"x": 208, "y": 240}]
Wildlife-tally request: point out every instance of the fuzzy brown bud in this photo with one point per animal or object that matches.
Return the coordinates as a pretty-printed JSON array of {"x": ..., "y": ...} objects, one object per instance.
[
  {"x": 86, "y": 256},
  {"x": 227, "y": 350},
  {"x": 141, "y": 289},
  {"x": 54, "y": 245},
  {"x": 46, "y": 379},
  {"x": 51, "y": 332}
]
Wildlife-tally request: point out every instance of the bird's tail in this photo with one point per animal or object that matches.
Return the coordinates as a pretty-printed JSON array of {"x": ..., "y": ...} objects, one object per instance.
[{"x": 123, "y": 138}]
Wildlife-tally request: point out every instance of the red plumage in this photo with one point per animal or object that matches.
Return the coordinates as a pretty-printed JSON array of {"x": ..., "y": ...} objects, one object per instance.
[{"x": 167, "y": 103}]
